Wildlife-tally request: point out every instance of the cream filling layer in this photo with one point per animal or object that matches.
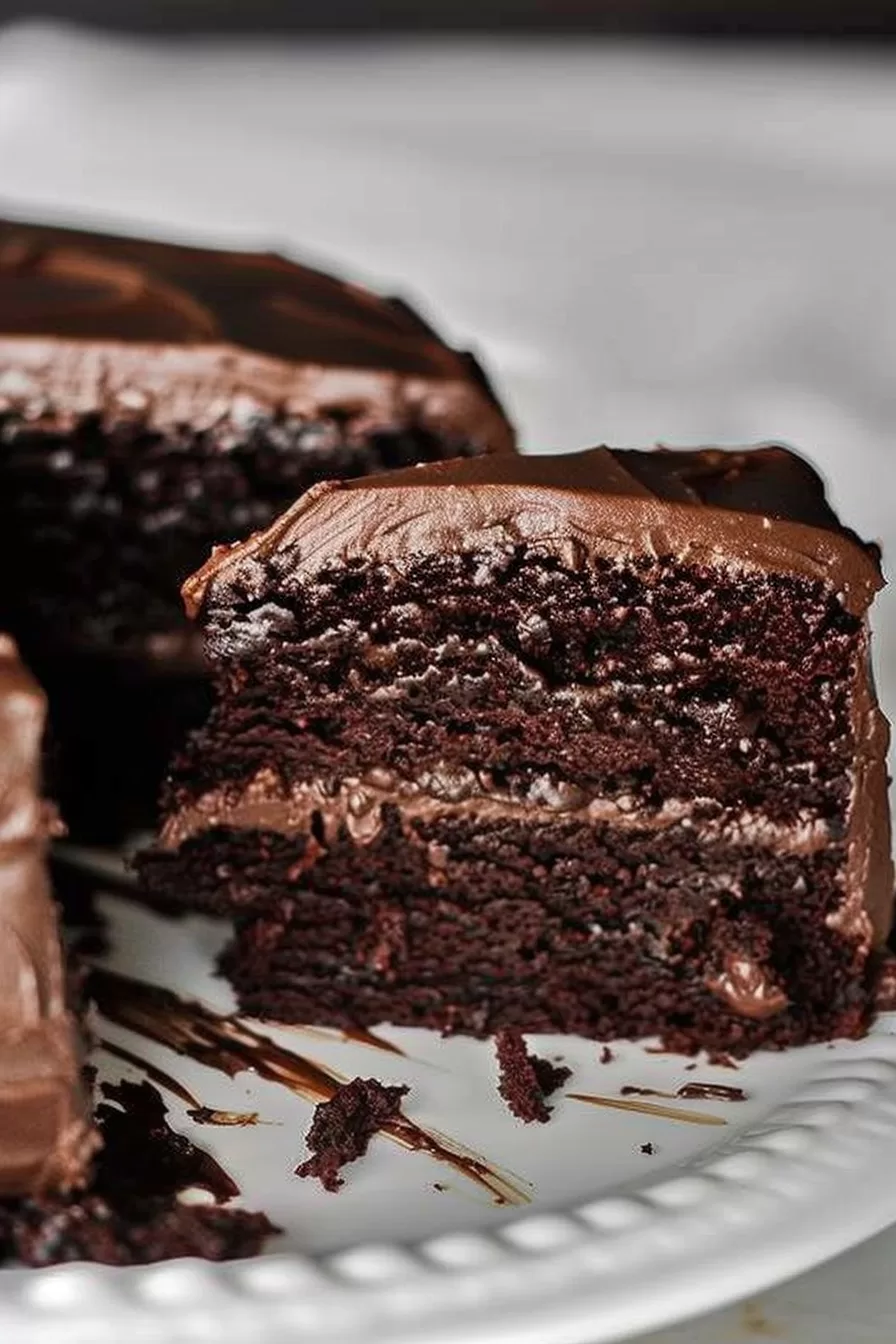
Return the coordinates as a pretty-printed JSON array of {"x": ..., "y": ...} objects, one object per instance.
[{"x": 357, "y": 805}]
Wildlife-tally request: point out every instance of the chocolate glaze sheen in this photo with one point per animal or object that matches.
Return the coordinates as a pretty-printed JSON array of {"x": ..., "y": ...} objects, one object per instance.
[
  {"x": 93, "y": 323},
  {"x": 702, "y": 505},
  {"x": 46, "y": 1139}
]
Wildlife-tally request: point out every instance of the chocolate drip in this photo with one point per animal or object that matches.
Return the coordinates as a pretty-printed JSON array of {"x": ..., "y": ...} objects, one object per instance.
[
  {"x": 152, "y": 1071},
  {"x": 712, "y": 1092}
]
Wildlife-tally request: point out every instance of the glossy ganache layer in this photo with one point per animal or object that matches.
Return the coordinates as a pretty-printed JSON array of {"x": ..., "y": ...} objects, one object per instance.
[
  {"x": 46, "y": 1139},
  {"x": 438, "y": 692}
]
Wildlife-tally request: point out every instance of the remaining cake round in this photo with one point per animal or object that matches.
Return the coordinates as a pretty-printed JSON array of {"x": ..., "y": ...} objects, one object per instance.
[{"x": 156, "y": 400}]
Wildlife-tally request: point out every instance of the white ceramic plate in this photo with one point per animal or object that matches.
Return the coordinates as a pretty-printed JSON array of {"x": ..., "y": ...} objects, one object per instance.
[{"x": 601, "y": 1239}]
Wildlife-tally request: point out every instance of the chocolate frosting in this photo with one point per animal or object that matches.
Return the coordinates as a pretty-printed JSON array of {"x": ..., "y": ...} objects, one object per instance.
[
  {"x": 700, "y": 506},
  {"x": 46, "y": 1139},
  {"x": 123, "y": 326}
]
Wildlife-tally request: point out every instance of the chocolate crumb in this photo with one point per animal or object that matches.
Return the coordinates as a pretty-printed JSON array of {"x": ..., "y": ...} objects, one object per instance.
[
  {"x": 526, "y": 1079},
  {"x": 437, "y": 1185},
  {"x": 648, "y": 1149},
  {"x": 606, "y": 1055},
  {"x": 342, "y": 1127}
]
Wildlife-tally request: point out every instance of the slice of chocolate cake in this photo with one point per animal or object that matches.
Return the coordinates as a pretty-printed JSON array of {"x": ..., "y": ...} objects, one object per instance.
[
  {"x": 584, "y": 743},
  {"x": 46, "y": 1139},
  {"x": 156, "y": 400}
]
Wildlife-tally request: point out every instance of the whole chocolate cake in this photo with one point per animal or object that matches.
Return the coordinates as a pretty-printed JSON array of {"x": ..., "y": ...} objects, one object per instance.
[
  {"x": 155, "y": 400},
  {"x": 584, "y": 743},
  {"x": 46, "y": 1138}
]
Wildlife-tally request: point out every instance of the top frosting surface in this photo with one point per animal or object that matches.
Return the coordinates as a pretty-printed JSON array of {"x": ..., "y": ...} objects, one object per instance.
[
  {"x": 172, "y": 335},
  {"x": 75, "y": 285},
  {"x": 760, "y": 508}
]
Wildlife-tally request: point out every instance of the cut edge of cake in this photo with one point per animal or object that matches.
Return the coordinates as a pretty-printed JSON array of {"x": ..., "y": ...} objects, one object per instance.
[{"x": 753, "y": 522}]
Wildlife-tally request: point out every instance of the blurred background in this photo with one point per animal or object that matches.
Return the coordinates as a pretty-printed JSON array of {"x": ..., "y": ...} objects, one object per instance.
[
  {"x": 656, "y": 221},
  {"x": 800, "y": 18}
]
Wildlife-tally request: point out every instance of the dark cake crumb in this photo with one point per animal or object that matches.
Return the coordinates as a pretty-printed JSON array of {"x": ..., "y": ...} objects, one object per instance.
[
  {"x": 131, "y": 1214},
  {"x": 648, "y": 1149},
  {"x": 342, "y": 1127},
  {"x": 606, "y": 1055},
  {"x": 526, "y": 1079}
]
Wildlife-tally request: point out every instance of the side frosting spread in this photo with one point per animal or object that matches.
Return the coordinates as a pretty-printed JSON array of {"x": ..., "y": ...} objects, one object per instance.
[{"x": 45, "y": 1136}]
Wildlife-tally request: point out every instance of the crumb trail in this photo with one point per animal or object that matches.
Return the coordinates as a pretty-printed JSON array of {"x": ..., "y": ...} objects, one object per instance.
[{"x": 225, "y": 1043}]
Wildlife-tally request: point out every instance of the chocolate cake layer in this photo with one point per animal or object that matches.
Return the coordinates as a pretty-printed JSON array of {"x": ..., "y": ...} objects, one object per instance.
[
  {"x": 156, "y": 400},
  {"x": 46, "y": 1138},
  {"x": 508, "y": 744}
]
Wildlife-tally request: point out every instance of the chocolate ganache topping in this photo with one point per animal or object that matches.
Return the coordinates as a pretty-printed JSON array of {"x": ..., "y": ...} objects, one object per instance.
[
  {"x": 45, "y": 1136},
  {"x": 91, "y": 323},
  {"x": 758, "y": 509}
]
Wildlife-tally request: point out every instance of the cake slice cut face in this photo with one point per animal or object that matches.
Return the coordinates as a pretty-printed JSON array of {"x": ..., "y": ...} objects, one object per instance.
[
  {"x": 583, "y": 743},
  {"x": 46, "y": 1138}
]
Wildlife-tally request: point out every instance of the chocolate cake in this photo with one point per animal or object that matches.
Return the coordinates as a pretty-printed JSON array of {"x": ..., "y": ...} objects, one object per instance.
[
  {"x": 156, "y": 400},
  {"x": 46, "y": 1138},
  {"x": 583, "y": 743}
]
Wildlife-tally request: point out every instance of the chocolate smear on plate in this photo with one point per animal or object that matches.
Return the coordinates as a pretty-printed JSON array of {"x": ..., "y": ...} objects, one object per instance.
[
  {"x": 227, "y": 1044},
  {"x": 202, "y": 1115},
  {"x": 649, "y": 1108}
]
